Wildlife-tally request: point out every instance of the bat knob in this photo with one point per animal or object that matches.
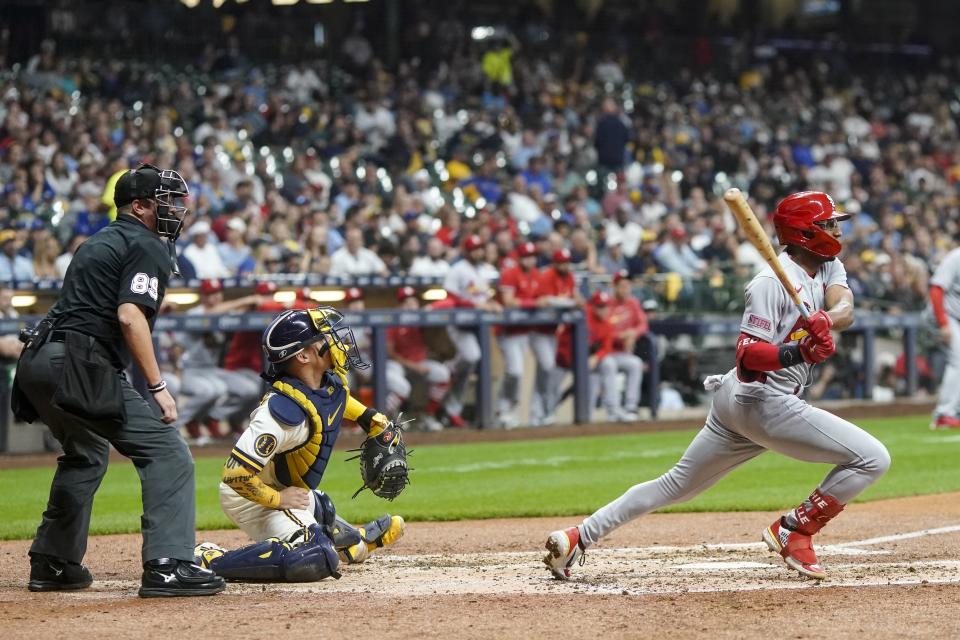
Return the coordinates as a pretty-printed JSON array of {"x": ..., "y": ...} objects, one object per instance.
[{"x": 732, "y": 194}]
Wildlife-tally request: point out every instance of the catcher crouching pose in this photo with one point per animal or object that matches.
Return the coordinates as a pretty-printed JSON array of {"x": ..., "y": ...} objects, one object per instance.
[{"x": 269, "y": 483}]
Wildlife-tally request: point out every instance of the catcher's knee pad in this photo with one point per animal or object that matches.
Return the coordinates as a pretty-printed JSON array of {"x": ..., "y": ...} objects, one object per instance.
[
  {"x": 313, "y": 560},
  {"x": 323, "y": 510}
]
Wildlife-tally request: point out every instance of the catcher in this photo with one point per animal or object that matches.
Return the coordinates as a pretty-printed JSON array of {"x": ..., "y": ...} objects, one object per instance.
[{"x": 269, "y": 483}]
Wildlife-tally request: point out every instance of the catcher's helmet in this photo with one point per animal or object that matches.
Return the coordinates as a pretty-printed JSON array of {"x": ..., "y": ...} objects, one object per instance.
[
  {"x": 166, "y": 187},
  {"x": 294, "y": 330},
  {"x": 800, "y": 220}
]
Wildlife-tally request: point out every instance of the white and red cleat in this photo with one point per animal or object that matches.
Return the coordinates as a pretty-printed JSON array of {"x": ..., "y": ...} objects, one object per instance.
[
  {"x": 563, "y": 549},
  {"x": 796, "y": 549}
]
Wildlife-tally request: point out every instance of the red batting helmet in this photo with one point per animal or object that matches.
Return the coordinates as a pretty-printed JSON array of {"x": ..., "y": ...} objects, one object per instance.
[
  {"x": 561, "y": 255},
  {"x": 798, "y": 218}
]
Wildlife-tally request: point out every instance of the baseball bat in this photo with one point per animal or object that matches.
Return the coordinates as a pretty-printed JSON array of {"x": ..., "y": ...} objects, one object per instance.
[{"x": 758, "y": 238}]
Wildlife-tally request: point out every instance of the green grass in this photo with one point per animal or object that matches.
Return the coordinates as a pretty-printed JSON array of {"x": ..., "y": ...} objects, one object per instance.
[{"x": 532, "y": 478}]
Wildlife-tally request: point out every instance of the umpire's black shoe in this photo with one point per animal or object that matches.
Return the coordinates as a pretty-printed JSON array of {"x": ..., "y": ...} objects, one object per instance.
[
  {"x": 166, "y": 577},
  {"x": 48, "y": 573}
]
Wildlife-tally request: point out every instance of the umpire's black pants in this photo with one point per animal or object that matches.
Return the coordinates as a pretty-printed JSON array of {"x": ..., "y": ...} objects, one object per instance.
[{"x": 159, "y": 453}]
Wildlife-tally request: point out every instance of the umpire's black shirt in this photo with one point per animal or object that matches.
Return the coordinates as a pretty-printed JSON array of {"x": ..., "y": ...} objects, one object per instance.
[{"x": 125, "y": 262}]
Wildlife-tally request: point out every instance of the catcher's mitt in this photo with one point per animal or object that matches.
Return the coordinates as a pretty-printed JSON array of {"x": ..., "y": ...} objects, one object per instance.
[{"x": 383, "y": 463}]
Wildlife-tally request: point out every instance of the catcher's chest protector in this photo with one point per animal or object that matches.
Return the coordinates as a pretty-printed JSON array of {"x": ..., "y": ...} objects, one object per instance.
[{"x": 323, "y": 409}]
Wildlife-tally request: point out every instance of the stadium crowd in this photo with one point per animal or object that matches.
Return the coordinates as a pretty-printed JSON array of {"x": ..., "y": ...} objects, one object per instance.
[{"x": 495, "y": 139}]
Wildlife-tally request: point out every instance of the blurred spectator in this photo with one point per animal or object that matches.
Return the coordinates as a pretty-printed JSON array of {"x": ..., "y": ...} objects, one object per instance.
[
  {"x": 353, "y": 259},
  {"x": 13, "y": 267},
  {"x": 607, "y": 360},
  {"x": 434, "y": 263},
  {"x": 611, "y": 137},
  {"x": 212, "y": 394},
  {"x": 235, "y": 251},
  {"x": 203, "y": 254},
  {"x": 676, "y": 255},
  {"x": 63, "y": 260},
  {"x": 520, "y": 287},
  {"x": 45, "y": 254},
  {"x": 10, "y": 345},
  {"x": 407, "y": 353},
  {"x": 558, "y": 289},
  {"x": 466, "y": 286}
]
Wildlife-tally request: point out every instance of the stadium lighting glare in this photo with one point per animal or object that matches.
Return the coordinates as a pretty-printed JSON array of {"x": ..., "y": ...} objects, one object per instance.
[
  {"x": 433, "y": 295},
  {"x": 284, "y": 3},
  {"x": 284, "y": 297},
  {"x": 183, "y": 298},
  {"x": 218, "y": 3},
  {"x": 328, "y": 295},
  {"x": 482, "y": 33},
  {"x": 23, "y": 301},
  {"x": 190, "y": 4},
  {"x": 319, "y": 1}
]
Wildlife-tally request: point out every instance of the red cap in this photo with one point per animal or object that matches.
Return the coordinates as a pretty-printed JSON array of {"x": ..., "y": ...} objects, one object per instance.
[
  {"x": 561, "y": 255},
  {"x": 623, "y": 274},
  {"x": 210, "y": 286},
  {"x": 678, "y": 232},
  {"x": 473, "y": 242},
  {"x": 406, "y": 292},
  {"x": 304, "y": 293},
  {"x": 353, "y": 293},
  {"x": 600, "y": 298},
  {"x": 265, "y": 288},
  {"x": 526, "y": 249}
]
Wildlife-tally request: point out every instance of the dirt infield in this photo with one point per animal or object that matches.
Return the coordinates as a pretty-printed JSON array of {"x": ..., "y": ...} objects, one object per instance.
[{"x": 895, "y": 572}]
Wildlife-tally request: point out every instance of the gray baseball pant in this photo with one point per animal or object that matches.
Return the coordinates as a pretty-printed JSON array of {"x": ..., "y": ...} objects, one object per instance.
[{"x": 743, "y": 423}]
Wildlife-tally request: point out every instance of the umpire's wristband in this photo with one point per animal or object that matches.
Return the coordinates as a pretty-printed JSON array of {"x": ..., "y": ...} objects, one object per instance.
[
  {"x": 789, "y": 355},
  {"x": 157, "y": 388}
]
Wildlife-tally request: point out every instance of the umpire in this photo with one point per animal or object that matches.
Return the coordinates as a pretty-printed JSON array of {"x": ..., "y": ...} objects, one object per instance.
[{"x": 70, "y": 375}]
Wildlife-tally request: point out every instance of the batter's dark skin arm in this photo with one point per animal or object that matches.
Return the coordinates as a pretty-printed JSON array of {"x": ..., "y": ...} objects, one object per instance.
[{"x": 839, "y": 304}]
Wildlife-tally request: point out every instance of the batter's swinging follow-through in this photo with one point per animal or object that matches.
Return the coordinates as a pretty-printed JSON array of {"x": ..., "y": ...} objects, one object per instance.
[{"x": 757, "y": 405}]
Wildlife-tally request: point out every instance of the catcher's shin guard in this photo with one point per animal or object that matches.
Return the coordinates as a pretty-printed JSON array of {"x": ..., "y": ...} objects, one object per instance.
[
  {"x": 274, "y": 560},
  {"x": 381, "y": 532}
]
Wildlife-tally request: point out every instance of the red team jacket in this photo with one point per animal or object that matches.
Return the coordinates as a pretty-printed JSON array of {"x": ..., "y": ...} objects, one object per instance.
[{"x": 627, "y": 314}]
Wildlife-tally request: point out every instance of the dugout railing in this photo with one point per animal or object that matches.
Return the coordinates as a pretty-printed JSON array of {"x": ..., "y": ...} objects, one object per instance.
[{"x": 867, "y": 325}]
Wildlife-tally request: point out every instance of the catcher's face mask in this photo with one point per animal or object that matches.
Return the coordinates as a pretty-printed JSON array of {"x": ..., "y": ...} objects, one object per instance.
[{"x": 338, "y": 340}]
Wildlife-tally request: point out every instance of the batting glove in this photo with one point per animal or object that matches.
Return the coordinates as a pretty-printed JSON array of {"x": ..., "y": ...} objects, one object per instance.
[
  {"x": 818, "y": 324},
  {"x": 815, "y": 350}
]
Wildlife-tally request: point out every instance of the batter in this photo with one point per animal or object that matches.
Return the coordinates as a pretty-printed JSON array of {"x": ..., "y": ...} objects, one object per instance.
[{"x": 757, "y": 405}]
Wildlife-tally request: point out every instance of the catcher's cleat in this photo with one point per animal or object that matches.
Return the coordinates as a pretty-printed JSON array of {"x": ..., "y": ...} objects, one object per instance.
[
  {"x": 563, "y": 549},
  {"x": 381, "y": 532},
  {"x": 48, "y": 573},
  {"x": 205, "y": 553},
  {"x": 796, "y": 549}
]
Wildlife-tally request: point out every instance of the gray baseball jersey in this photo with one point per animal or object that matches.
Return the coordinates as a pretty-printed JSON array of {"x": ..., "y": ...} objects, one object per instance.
[
  {"x": 469, "y": 282},
  {"x": 947, "y": 277},
  {"x": 771, "y": 315}
]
